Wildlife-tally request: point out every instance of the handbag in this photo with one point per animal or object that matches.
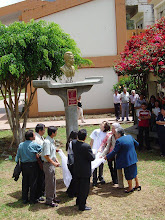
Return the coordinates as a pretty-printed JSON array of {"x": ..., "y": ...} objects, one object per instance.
[{"x": 70, "y": 159}]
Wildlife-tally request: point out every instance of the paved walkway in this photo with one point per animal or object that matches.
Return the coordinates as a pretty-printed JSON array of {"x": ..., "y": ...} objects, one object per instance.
[{"x": 5, "y": 126}]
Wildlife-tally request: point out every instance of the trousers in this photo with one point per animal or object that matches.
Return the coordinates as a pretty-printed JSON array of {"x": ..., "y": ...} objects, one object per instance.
[
  {"x": 29, "y": 180},
  {"x": 117, "y": 110},
  {"x": 125, "y": 110},
  {"x": 100, "y": 177},
  {"x": 82, "y": 192},
  {"x": 113, "y": 170},
  {"x": 140, "y": 137},
  {"x": 50, "y": 182}
]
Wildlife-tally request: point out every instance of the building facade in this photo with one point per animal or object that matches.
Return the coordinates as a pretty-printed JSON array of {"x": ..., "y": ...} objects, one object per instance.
[{"x": 99, "y": 29}]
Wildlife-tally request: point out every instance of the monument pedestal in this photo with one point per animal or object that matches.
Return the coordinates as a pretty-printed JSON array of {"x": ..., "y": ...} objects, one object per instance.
[{"x": 61, "y": 90}]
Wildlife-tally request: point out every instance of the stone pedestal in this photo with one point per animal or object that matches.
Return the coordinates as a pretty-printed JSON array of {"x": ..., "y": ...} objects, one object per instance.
[{"x": 60, "y": 89}]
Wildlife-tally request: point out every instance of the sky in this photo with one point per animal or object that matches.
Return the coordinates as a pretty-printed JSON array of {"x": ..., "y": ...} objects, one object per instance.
[{"x": 4, "y": 3}]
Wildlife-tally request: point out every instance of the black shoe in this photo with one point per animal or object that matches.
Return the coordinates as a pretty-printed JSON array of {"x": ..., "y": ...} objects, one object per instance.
[
  {"x": 33, "y": 201},
  {"x": 122, "y": 119},
  {"x": 41, "y": 199},
  {"x": 86, "y": 209},
  {"x": 52, "y": 204},
  {"x": 102, "y": 182},
  {"x": 25, "y": 201},
  {"x": 137, "y": 188},
  {"x": 56, "y": 200},
  {"x": 94, "y": 184},
  {"x": 132, "y": 190},
  {"x": 128, "y": 120}
]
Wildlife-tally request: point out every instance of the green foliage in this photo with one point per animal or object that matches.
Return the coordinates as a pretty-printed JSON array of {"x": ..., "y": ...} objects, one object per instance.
[
  {"x": 34, "y": 49},
  {"x": 130, "y": 23},
  {"x": 131, "y": 83}
]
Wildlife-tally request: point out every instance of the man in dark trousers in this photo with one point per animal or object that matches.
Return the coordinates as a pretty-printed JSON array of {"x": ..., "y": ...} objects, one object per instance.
[
  {"x": 82, "y": 160},
  {"x": 26, "y": 153}
]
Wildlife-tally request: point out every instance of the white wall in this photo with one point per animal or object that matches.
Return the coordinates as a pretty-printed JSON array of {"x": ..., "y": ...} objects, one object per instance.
[
  {"x": 99, "y": 97},
  {"x": 92, "y": 25}
]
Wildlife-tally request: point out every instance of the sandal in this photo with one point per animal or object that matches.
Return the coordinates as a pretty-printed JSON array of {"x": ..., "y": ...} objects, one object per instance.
[
  {"x": 132, "y": 190},
  {"x": 137, "y": 188}
]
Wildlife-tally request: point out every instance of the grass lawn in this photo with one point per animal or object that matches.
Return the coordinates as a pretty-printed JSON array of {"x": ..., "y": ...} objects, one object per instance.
[{"x": 107, "y": 202}]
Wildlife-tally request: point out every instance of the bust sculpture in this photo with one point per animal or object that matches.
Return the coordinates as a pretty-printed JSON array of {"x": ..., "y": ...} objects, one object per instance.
[{"x": 68, "y": 68}]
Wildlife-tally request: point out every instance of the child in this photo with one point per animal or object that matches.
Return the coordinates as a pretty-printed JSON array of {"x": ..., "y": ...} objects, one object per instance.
[
  {"x": 144, "y": 117},
  {"x": 80, "y": 110},
  {"x": 97, "y": 136}
]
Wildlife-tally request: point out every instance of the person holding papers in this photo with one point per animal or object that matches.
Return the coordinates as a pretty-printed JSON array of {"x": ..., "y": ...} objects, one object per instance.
[{"x": 97, "y": 136}]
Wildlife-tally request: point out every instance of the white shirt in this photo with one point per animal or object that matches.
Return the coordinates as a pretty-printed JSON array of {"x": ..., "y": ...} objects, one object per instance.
[
  {"x": 116, "y": 98},
  {"x": 124, "y": 97},
  {"x": 98, "y": 136},
  {"x": 133, "y": 98},
  {"x": 39, "y": 139},
  {"x": 156, "y": 111}
]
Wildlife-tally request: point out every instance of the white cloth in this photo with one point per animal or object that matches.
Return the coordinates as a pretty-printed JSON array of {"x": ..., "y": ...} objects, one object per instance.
[
  {"x": 98, "y": 136},
  {"x": 67, "y": 177},
  {"x": 39, "y": 139},
  {"x": 116, "y": 98},
  {"x": 97, "y": 162},
  {"x": 133, "y": 98},
  {"x": 156, "y": 111}
]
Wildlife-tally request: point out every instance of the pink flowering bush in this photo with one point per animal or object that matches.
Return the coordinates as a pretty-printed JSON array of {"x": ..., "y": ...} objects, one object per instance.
[{"x": 144, "y": 53}]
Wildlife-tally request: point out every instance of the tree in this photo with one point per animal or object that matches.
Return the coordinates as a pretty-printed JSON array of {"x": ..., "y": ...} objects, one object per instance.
[
  {"x": 144, "y": 54},
  {"x": 29, "y": 51},
  {"x": 131, "y": 83}
]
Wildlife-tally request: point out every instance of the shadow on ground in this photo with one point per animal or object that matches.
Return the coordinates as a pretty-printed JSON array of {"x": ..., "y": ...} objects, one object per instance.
[{"x": 108, "y": 190}]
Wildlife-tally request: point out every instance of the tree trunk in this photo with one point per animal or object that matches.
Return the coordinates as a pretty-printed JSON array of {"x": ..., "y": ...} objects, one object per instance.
[{"x": 12, "y": 109}]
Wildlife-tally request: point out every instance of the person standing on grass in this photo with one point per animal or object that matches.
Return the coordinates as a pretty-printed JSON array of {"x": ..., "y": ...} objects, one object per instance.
[
  {"x": 72, "y": 189},
  {"x": 133, "y": 98},
  {"x": 83, "y": 156},
  {"x": 80, "y": 110},
  {"x": 126, "y": 158},
  {"x": 143, "y": 125},
  {"x": 50, "y": 162},
  {"x": 97, "y": 136},
  {"x": 107, "y": 146},
  {"x": 116, "y": 100},
  {"x": 161, "y": 130},
  {"x": 26, "y": 153},
  {"x": 39, "y": 132},
  {"x": 125, "y": 104}
]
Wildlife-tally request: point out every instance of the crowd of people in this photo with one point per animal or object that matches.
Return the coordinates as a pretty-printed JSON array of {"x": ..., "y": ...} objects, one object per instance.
[
  {"x": 38, "y": 162},
  {"x": 148, "y": 115}
]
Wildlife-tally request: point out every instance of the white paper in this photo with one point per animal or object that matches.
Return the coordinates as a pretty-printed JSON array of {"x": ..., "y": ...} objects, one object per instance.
[
  {"x": 97, "y": 162},
  {"x": 67, "y": 177}
]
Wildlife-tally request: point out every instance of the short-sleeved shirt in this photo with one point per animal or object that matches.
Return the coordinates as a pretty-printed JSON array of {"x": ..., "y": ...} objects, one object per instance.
[
  {"x": 27, "y": 151},
  {"x": 116, "y": 98},
  {"x": 156, "y": 111},
  {"x": 124, "y": 97},
  {"x": 144, "y": 122},
  {"x": 161, "y": 128},
  {"x": 133, "y": 98},
  {"x": 98, "y": 136},
  {"x": 139, "y": 102},
  {"x": 49, "y": 149}
]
